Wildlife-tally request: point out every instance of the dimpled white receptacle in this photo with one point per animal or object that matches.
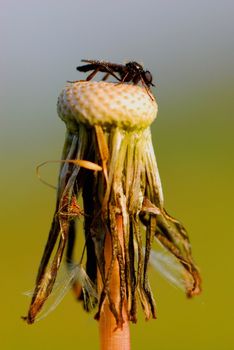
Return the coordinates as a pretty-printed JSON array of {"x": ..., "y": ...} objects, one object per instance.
[{"x": 107, "y": 104}]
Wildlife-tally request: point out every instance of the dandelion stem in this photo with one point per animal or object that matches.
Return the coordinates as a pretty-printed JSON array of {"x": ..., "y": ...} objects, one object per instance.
[{"x": 111, "y": 337}]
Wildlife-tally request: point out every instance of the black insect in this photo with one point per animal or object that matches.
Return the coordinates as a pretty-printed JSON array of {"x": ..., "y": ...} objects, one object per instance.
[{"x": 129, "y": 72}]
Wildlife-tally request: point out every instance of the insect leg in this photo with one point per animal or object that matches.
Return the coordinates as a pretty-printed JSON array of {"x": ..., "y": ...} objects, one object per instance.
[
  {"x": 146, "y": 87},
  {"x": 101, "y": 68},
  {"x": 105, "y": 76},
  {"x": 111, "y": 72},
  {"x": 136, "y": 79},
  {"x": 90, "y": 76},
  {"x": 125, "y": 78}
]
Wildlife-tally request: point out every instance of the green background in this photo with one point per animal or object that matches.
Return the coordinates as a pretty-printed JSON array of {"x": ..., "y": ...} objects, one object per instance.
[{"x": 188, "y": 46}]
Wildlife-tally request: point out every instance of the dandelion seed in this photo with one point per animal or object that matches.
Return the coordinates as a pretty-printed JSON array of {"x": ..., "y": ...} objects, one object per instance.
[
  {"x": 68, "y": 277},
  {"x": 169, "y": 267}
]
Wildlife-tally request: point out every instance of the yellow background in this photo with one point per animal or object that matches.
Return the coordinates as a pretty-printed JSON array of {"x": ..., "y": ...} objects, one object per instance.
[{"x": 188, "y": 46}]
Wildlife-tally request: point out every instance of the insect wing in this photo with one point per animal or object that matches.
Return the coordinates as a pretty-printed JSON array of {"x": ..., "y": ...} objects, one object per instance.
[{"x": 87, "y": 67}]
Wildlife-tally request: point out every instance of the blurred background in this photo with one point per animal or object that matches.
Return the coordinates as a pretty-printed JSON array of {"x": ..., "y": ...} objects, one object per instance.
[{"x": 189, "y": 48}]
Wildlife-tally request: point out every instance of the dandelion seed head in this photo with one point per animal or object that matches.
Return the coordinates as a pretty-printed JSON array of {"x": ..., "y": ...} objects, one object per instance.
[
  {"x": 107, "y": 104},
  {"x": 108, "y": 130}
]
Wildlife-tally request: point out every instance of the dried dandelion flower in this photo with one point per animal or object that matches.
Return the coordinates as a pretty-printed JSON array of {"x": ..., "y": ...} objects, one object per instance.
[{"x": 108, "y": 125}]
